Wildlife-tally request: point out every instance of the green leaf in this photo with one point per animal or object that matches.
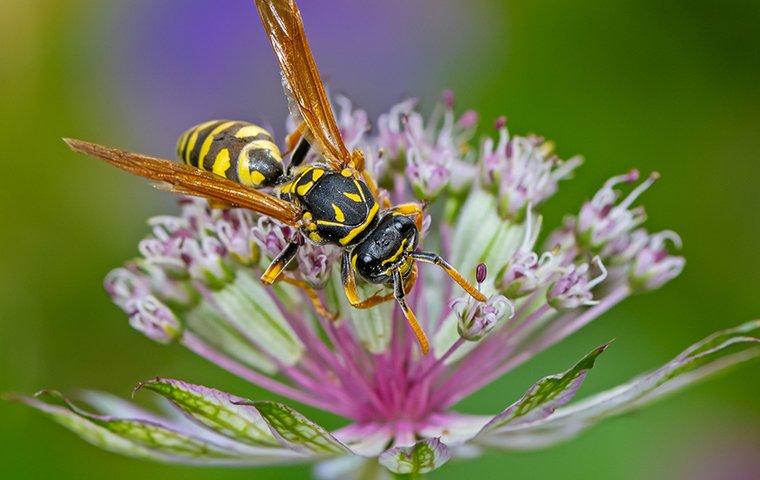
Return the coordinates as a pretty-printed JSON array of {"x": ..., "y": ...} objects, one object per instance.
[
  {"x": 546, "y": 395},
  {"x": 422, "y": 457},
  {"x": 714, "y": 354},
  {"x": 216, "y": 410},
  {"x": 297, "y": 432},
  {"x": 148, "y": 439}
]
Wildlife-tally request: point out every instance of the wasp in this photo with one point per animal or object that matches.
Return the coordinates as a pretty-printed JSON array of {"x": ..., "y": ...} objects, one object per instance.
[{"x": 330, "y": 201}]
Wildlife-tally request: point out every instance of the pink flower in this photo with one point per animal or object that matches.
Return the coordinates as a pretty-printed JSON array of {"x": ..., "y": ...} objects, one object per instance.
[{"x": 196, "y": 284}]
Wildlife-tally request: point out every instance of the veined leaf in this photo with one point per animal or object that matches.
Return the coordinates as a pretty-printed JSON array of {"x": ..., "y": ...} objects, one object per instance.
[
  {"x": 297, "y": 432},
  {"x": 218, "y": 411},
  {"x": 147, "y": 439},
  {"x": 715, "y": 353},
  {"x": 546, "y": 395}
]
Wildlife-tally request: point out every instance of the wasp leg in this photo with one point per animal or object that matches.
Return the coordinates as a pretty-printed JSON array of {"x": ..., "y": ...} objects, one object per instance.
[
  {"x": 411, "y": 209},
  {"x": 349, "y": 286},
  {"x": 452, "y": 272},
  {"x": 292, "y": 139},
  {"x": 399, "y": 293},
  {"x": 372, "y": 185},
  {"x": 299, "y": 154},
  {"x": 274, "y": 269},
  {"x": 319, "y": 307}
]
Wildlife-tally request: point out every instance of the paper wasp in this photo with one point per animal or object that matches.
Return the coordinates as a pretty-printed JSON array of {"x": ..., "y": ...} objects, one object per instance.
[{"x": 333, "y": 201}]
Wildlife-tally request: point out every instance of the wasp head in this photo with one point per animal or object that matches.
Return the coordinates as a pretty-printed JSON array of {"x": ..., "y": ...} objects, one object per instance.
[{"x": 386, "y": 249}]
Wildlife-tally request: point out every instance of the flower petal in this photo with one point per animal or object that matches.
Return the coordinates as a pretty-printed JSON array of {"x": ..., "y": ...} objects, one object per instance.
[
  {"x": 249, "y": 308},
  {"x": 422, "y": 457},
  {"x": 206, "y": 322},
  {"x": 368, "y": 440},
  {"x": 372, "y": 325},
  {"x": 221, "y": 412},
  {"x": 478, "y": 214},
  {"x": 715, "y": 353},
  {"x": 147, "y": 439},
  {"x": 350, "y": 468},
  {"x": 545, "y": 396}
]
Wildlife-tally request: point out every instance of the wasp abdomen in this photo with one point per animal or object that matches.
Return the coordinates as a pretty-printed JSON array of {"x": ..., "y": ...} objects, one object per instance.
[{"x": 239, "y": 151}]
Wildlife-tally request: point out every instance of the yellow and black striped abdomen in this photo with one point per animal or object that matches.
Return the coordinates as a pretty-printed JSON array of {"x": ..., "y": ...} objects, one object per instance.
[{"x": 239, "y": 151}]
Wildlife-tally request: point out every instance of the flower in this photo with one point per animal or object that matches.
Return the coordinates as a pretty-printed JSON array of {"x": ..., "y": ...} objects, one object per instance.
[
  {"x": 602, "y": 220},
  {"x": 653, "y": 266},
  {"x": 522, "y": 170},
  {"x": 573, "y": 287},
  {"x": 196, "y": 284},
  {"x": 477, "y": 319},
  {"x": 435, "y": 150}
]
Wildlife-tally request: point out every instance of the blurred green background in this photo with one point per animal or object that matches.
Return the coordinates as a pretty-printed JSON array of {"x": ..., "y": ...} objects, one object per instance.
[{"x": 671, "y": 86}]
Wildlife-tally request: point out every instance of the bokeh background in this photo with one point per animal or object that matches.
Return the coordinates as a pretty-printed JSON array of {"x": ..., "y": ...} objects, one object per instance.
[{"x": 671, "y": 86}]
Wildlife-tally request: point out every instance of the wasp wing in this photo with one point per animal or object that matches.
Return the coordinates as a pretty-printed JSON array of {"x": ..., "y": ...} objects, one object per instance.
[
  {"x": 300, "y": 79},
  {"x": 184, "y": 179}
]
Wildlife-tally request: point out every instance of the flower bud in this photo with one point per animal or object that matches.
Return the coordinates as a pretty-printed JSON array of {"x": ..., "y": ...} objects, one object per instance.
[
  {"x": 654, "y": 266},
  {"x": 234, "y": 231},
  {"x": 525, "y": 273},
  {"x": 153, "y": 318},
  {"x": 315, "y": 263},
  {"x": 624, "y": 248},
  {"x": 522, "y": 170},
  {"x": 272, "y": 236},
  {"x": 602, "y": 220},
  {"x": 146, "y": 313},
  {"x": 390, "y": 128},
  {"x": 573, "y": 288},
  {"x": 477, "y": 319},
  {"x": 205, "y": 258}
]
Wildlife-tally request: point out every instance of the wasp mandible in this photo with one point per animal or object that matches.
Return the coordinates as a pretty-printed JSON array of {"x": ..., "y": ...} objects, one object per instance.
[{"x": 332, "y": 201}]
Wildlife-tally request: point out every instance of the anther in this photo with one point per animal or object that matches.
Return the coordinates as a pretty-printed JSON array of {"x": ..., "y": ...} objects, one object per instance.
[
  {"x": 481, "y": 272},
  {"x": 448, "y": 98}
]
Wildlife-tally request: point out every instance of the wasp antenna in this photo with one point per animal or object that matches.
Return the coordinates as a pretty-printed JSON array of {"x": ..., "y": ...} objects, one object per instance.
[
  {"x": 78, "y": 146},
  {"x": 435, "y": 259}
]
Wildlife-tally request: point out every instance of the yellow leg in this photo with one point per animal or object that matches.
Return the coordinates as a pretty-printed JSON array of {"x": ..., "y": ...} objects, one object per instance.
[
  {"x": 352, "y": 294},
  {"x": 349, "y": 287},
  {"x": 273, "y": 271},
  {"x": 372, "y": 185},
  {"x": 319, "y": 307},
  {"x": 411, "y": 319},
  {"x": 419, "y": 333},
  {"x": 292, "y": 139},
  {"x": 452, "y": 272}
]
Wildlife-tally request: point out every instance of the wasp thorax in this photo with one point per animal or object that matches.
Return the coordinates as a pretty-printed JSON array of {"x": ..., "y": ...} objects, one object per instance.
[{"x": 386, "y": 248}]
